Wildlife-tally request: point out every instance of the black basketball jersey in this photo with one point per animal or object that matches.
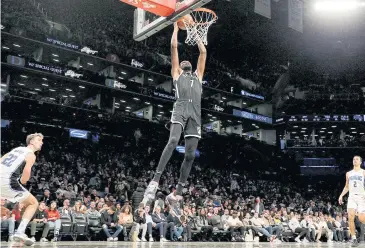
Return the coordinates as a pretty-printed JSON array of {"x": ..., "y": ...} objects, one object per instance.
[{"x": 188, "y": 88}]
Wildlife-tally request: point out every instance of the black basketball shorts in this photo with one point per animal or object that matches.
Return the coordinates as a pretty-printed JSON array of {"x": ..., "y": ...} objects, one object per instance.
[{"x": 188, "y": 115}]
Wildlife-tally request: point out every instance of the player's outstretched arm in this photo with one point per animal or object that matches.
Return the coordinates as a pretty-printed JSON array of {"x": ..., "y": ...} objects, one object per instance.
[
  {"x": 345, "y": 189},
  {"x": 201, "y": 60},
  {"x": 29, "y": 162},
  {"x": 175, "y": 66}
]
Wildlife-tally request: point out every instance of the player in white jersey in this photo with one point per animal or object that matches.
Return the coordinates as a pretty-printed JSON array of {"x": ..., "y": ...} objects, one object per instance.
[
  {"x": 16, "y": 168},
  {"x": 355, "y": 185}
]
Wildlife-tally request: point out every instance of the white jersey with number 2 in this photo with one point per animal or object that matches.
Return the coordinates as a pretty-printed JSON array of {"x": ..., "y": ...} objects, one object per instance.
[{"x": 357, "y": 183}]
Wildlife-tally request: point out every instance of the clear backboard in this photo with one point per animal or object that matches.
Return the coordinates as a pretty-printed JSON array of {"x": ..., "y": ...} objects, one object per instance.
[{"x": 147, "y": 24}]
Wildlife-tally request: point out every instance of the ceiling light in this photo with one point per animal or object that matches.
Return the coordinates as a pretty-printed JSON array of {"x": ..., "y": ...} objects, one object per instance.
[
  {"x": 21, "y": 84},
  {"x": 244, "y": 103},
  {"x": 159, "y": 106},
  {"x": 302, "y": 131},
  {"x": 5, "y": 47},
  {"x": 353, "y": 128},
  {"x": 209, "y": 115},
  {"x": 253, "y": 124},
  {"x": 323, "y": 128},
  {"x": 220, "y": 101},
  {"x": 211, "y": 120},
  {"x": 150, "y": 79},
  {"x": 52, "y": 90},
  {"x": 80, "y": 66},
  {"x": 135, "y": 98},
  {"x": 45, "y": 79},
  {"x": 321, "y": 131},
  {"x": 161, "y": 112},
  {"x": 124, "y": 73},
  {"x": 229, "y": 121},
  {"x": 72, "y": 96},
  {"x": 334, "y": 126},
  {"x": 117, "y": 103},
  {"x": 68, "y": 89},
  {"x": 37, "y": 89},
  {"x": 116, "y": 106},
  {"x": 170, "y": 111},
  {"x": 330, "y": 132},
  {"x": 159, "y": 115},
  {"x": 122, "y": 101},
  {"x": 304, "y": 128},
  {"x": 128, "y": 107},
  {"x": 353, "y": 132},
  {"x": 90, "y": 64},
  {"x": 224, "y": 98},
  {"x": 54, "y": 55},
  {"x": 64, "y": 96},
  {"x": 214, "y": 117},
  {"x": 45, "y": 85},
  {"x": 3, "y": 85},
  {"x": 147, "y": 103},
  {"x": 51, "y": 98},
  {"x": 294, "y": 132},
  {"x": 361, "y": 133},
  {"x": 56, "y": 60},
  {"x": 121, "y": 78},
  {"x": 295, "y": 126},
  {"x": 23, "y": 76},
  {"x": 16, "y": 45},
  {"x": 82, "y": 87},
  {"x": 127, "y": 110}
]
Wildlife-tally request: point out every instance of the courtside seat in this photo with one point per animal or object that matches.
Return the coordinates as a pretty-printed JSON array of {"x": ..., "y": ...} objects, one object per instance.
[
  {"x": 94, "y": 227},
  {"x": 80, "y": 226},
  {"x": 67, "y": 226}
]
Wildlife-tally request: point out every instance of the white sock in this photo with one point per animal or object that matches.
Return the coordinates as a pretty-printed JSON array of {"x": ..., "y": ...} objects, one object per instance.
[
  {"x": 353, "y": 236},
  {"x": 22, "y": 226}
]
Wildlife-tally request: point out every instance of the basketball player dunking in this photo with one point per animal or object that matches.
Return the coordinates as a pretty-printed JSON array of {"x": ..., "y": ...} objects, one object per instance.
[
  {"x": 16, "y": 167},
  {"x": 186, "y": 115},
  {"x": 355, "y": 185}
]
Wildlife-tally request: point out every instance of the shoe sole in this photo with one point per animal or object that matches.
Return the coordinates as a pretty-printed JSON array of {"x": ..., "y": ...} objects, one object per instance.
[{"x": 27, "y": 242}]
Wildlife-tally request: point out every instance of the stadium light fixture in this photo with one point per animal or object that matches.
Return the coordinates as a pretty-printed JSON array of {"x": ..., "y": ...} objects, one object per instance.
[
  {"x": 330, "y": 132},
  {"x": 54, "y": 55},
  {"x": 82, "y": 87},
  {"x": 159, "y": 115},
  {"x": 295, "y": 126},
  {"x": 353, "y": 132},
  {"x": 353, "y": 128},
  {"x": 160, "y": 106},
  {"x": 52, "y": 90},
  {"x": 293, "y": 132},
  {"x": 122, "y": 101},
  {"x": 124, "y": 73},
  {"x": 361, "y": 133},
  {"x": 334, "y": 126},
  {"x": 21, "y": 84},
  {"x": 72, "y": 96},
  {"x": 127, "y": 107},
  {"x": 56, "y": 60},
  {"x": 161, "y": 112},
  {"x": 80, "y": 66},
  {"x": 45, "y": 85},
  {"x": 148, "y": 103},
  {"x": 16, "y": 45},
  {"x": 321, "y": 131},
  {"x": 211, "y": 120},
  {"x": 127, "y": 110},
  {"x": 302, "y": 131},
  {"x": 229, "y": 121},
  {"x": 135, "y": 98},
  {"x": 51, "y": 98},
  {"x": 244, "y": 103},
  {"x": 45, "y": 79},
  {"x": 323, "y": 128},
  {"x": 116, "y": 106},
  {"x": 91, "y": 64},
  {"x": 150, "y": 79},
  {"x": 68, "y": 89},
  {"x": 6, "y": 48},
  {"x": 121, "y": 78},
  {"x": 23, "y": 76},
  {"x": 224, "y": 98},
  {"x": 3, "y": 85},
  {"x": 341, "y": 5},
  {"x": 64, "y": 96},
  {"x": 304, "y": 128}
]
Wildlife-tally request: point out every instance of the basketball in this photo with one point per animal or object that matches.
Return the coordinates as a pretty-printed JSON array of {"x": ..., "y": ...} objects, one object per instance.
[{"x": 186, "y": 18}]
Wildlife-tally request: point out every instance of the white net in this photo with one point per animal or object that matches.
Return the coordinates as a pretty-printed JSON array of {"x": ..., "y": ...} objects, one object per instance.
[{"x": 198, "y": 30}]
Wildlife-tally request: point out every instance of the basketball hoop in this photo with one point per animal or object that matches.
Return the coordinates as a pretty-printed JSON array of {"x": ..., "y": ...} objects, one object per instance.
[{"x": 197, "y": 26}]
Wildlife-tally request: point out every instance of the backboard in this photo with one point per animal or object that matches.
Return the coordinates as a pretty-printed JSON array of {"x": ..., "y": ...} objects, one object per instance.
[{"x": 147, "y": 24}]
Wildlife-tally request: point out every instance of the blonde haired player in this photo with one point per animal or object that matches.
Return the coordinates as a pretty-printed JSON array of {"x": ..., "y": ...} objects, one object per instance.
[
  {"x": 16, "y": 168},
  {"x": 355, "y": 185}
]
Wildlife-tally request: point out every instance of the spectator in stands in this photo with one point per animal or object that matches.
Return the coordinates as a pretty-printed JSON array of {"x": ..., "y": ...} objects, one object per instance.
[
  {"x": 53, "y": 221},
  {"x": 7, "y": 221},
  {"x": 339, "y": 229},
  {"x": 258, "y": 226},
  {"x": 160, "y": 223},
  {"x": 331, "y": 227},
  {"x": 108, "y": 221},
  {"x": 224, "y": 219},
  {"x": 306, "y": 224},
  {"x": 17, "y": 212},
  {"x": 47, "y": 198},
  {"x": 92, "y": 211},
  {"x": 203, "y": 226},
  {"x": 66, "y": 209},
  {"x": 323, "y": 229},
  {"x": 150, "y": 224},
  {"x": 78, "y": 208},
  {"x": 187, "y": 223},
  {"x": 235, "y": 225},
  {"x": 140, "y": 223},
  {"x": 294, "y": 225},
  {"x": 160, "y": 200},
  {"x": 125, "y": 219},
  {"x": 258, "y": 206},
  {"x": 39, "y": 220},
  {"x": 345, "y": 228},
  {"x": 137, "y": 196}
]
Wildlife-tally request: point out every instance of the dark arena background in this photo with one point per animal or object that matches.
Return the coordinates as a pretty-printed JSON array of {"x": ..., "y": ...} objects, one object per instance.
[{"x": 282, "y": 115}]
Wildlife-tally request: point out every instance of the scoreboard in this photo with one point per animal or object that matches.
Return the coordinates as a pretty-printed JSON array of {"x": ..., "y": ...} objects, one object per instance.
[{"x": 326, "y": 118}]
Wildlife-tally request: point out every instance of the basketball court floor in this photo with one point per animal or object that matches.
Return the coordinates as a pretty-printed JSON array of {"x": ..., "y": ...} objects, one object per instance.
[{"x": 97, "y": 244}]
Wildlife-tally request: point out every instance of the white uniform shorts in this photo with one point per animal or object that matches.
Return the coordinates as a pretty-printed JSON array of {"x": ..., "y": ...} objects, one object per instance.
[
  {"x": 357, "y": 202},
  {"x": 13, "y": 194}
]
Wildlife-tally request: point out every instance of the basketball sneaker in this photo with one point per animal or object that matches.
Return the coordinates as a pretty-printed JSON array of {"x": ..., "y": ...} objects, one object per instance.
[
  {"x": 150, "y": 192},
  {"x": 22, "y": 237},
  {"x": 354, "y": 243}
]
